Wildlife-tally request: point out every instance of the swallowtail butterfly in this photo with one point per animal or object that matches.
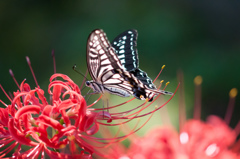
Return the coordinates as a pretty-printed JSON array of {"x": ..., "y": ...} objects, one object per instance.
[{"x": 114, "y": 66}]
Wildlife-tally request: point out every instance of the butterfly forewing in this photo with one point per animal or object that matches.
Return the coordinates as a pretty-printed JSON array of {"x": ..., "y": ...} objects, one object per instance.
[
  {"x": 125, "y": 46},
  {"x": 101, "y": 57},
  {"x": 104, "y": 66}
]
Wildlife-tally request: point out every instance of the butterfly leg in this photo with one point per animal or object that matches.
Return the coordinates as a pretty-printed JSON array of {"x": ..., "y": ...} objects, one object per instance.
[
  {"x": 105, "y": 102},
  {"x": 107, "y": 107},
  {"x": 90, "y": 94}
]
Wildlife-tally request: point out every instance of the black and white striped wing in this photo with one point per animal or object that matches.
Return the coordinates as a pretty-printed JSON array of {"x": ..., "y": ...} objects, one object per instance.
[
  {"x": 104, "y": 66},
  {"x": 101, "y": 57},
  {"x": 125, "y": 45}
]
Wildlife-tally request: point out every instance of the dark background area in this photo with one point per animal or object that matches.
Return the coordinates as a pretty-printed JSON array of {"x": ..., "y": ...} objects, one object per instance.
[{"x": 198, "y": 37}]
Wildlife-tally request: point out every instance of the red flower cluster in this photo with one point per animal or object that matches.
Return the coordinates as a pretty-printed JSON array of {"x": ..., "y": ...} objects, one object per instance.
[
  {"x": 198, "y": 140},
  {"x": 29, "y": 119}
]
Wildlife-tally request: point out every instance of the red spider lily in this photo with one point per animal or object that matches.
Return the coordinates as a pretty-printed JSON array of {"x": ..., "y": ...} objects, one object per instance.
[
  {"x": 207, "y": 140},
  {"x": 29, "y": 118},
  {"x": 61, "y": 128},
  {"x": 198, "y": 140},
  {"x": 48, "y": 129},
  {"x": 212, "y": 139}
]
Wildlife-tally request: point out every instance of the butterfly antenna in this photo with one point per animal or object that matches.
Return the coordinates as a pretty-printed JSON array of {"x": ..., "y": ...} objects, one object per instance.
[{"x": 74, "y": 68}]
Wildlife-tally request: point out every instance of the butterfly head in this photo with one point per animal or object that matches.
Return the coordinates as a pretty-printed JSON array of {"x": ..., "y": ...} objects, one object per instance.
[
  {"x": 97, "y": 88},
  {"x": 88, "y": 83}
]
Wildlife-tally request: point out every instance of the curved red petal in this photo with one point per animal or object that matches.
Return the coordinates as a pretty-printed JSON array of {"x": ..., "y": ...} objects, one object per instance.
[
  {"x": 50, "y": 122},
  {"x": 41, "y": 96},
  {"x": 18, "y": 136},
  {"x": 68, "y": 103},
  {"x": 47, "y": 110},
  {"x": 56, "y": 92},
  {"x": 94, "y": 129},
  {"x": 4, "y": 116},
  {"x": 32, "y": 109}
]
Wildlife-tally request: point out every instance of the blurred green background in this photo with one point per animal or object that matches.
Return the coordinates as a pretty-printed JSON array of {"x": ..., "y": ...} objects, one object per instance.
[{"x": 198, "y": 37}]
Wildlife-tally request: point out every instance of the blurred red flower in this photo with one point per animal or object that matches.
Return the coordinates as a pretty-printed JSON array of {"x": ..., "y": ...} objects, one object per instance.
[
  {"x": 160, "y": 142},
  {"x": 197, "y": 140},
  {"x": 213, "y": 139}
]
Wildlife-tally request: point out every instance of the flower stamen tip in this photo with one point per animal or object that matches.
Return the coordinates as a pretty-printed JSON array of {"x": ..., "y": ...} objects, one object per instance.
[
  {"x": 11, "y": 72},
  {"x": 198, "y": 80},
  {"x": 62, "y": 146},
  {"x": 53, "y": 53},
  {"x": 233, "y": 92},
  {"x": 71, "y": 138},
  {"x": 28, "y": 60}
]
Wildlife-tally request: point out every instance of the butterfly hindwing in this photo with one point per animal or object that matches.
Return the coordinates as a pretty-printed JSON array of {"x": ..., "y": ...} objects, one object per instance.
[{"x": 143, "y": 77}]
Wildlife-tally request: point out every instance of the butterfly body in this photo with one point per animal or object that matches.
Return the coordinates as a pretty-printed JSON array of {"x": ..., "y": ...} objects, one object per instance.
[
  {"x": 113, "y": 88},
  {"x": 114, "y": 66}
]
